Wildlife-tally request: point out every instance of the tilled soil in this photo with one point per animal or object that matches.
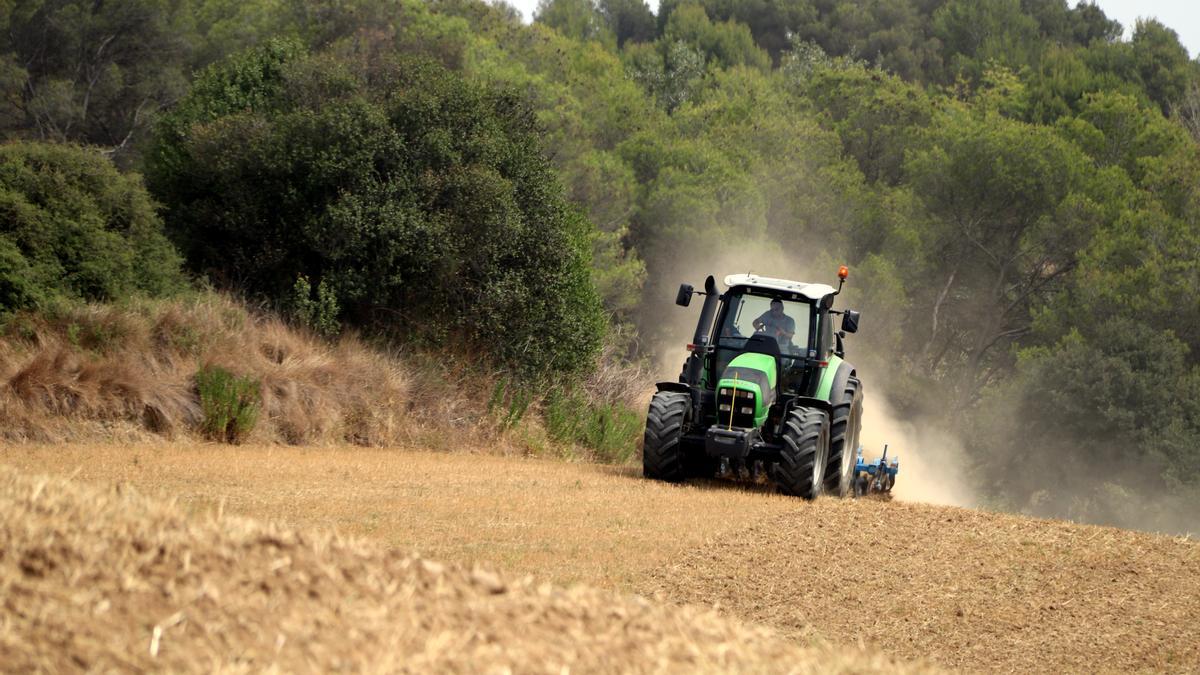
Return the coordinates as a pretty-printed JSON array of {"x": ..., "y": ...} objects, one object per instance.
[
  {"x": 971, "y": 590},
  {"x": 95, "y": 579},
  {"x": 84, "y": 580}
]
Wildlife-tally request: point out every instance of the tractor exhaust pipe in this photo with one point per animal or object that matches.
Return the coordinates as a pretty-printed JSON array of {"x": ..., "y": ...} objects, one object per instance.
[{"x": 703, "y": 332}]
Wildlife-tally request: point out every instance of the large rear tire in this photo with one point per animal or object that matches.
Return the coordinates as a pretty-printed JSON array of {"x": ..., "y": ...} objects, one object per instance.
[
  {"x": 662, "y": 447},
  {"x": 845, "y": 428},
  {"x": 805, "y": 451}
]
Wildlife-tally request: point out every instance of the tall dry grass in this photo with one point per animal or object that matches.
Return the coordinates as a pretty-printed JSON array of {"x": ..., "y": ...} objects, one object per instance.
[
  {"x": 83, "y": 370},
  {"x": 128, "y": 372}
]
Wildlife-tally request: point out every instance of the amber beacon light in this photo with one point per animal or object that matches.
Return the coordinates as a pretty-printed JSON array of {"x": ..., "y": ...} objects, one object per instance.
[{"x": 843, "y": 272}]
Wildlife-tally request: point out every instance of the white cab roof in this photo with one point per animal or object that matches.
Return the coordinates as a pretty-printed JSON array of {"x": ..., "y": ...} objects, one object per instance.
[{"x": 810, "y": 291}]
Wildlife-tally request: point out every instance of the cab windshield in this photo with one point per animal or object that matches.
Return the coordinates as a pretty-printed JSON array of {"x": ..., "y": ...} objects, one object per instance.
[
  {"x": 789, "y": 323},
  {"x": 786, "y": 321}
]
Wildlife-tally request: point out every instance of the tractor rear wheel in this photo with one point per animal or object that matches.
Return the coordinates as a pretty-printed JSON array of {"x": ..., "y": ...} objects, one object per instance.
[
  {"x": 845, "y": 426},
  {"x": 662, "y": 449},
  {"x": 805, "y": 451}
]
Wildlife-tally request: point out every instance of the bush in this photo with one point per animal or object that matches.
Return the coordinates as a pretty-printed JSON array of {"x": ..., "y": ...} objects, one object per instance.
[
  {"x": 74, "y": 228},
  {"x": 229, "y": 403},
  {"x": 419, "y": 201}
]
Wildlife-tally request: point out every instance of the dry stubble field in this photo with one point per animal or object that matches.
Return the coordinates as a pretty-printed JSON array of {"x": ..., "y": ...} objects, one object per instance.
[{"x": 963, "y": 589}]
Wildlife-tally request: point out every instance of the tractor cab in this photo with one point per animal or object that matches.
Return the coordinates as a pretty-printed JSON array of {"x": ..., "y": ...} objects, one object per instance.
[{"x": 774, "y": 317}]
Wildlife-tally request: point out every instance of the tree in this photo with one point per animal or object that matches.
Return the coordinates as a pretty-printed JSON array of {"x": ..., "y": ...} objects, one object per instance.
[
  {"x": 629, "y": 20},
  {"x": 976, "y": 32},
  {"x": 422, "y": 202},
  {"x": 1114, "y": 129},
  {"x": 724, "y": 44},
  {"x": 576, "y": 19},
  {"x": 1010, "y": 208},
  {"x": 877, "y": 116},
  {"x": 91, "y": 72},
  {"x": 1162, "y": 63},
  {"x": 771, "y": 22}
]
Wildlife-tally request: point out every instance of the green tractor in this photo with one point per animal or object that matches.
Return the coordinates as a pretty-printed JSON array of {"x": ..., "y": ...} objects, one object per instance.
[{"x": 766, "y": 393}]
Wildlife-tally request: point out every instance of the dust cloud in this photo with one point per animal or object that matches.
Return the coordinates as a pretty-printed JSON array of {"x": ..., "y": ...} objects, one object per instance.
[{"x": 933, "y": 466}]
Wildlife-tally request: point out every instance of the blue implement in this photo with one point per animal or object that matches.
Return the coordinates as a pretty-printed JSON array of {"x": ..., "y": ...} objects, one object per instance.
[{"x": 875, "y": 477}]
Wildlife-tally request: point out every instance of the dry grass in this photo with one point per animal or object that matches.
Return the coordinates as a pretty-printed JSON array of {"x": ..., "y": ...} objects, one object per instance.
[
  {"x": 128, "y": 373},
  {"x": 105, "y": 580}
]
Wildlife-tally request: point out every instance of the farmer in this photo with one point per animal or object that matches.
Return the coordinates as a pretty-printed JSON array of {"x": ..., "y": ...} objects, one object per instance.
[{"x": 777, "y": 324}]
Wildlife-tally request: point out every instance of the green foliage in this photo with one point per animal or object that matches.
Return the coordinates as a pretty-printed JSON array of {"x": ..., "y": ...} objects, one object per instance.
[
  {"x": 1114, "y": 129},
  {"x": 75, "y": 228},
  {"x": 509, "y": 402},
  {"x": 877, "y": 116},
  {"x": 975, "y": 33},
  {"x": 1009, "y": 208},
  {"x": 230, "y": 404},
  {"x": 1162, "y": 63},
  {"x": 725, "y": 43},
  {"x": 410, "y": 193},
  {"x": 319, "y": 313},
  {"x": 576, "y": 19},
  {"x": 629, "y": 20},
  {"x": 610, "y": 429},
  {"x": 89, "y": 72}
]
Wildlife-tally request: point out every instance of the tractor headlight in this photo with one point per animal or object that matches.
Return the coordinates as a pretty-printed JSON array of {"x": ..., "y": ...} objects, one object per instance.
[
  {"x": 725, "y": 407},
  {"x": 746, "y": 394},
  {"x": 724, "y": 392},
  {"x": 747, "y": 411}
]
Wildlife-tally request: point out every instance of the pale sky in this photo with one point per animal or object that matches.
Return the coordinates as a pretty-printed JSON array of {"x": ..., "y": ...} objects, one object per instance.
[{"x": 1181, "y": 15}]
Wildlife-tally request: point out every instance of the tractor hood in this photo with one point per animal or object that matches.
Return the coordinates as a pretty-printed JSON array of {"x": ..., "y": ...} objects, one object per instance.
[{"x": 749, "y": 373}]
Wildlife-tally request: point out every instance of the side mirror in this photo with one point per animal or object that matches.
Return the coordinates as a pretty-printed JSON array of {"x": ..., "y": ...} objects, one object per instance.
[
  {"x": 850, "y": 321},
  {"x": 684, "y": 297}
]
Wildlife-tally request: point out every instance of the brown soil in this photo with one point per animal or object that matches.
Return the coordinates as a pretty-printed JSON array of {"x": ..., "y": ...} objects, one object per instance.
[
  {"x": 968, "y": 589},
  {"x": 103, "y": 579}
]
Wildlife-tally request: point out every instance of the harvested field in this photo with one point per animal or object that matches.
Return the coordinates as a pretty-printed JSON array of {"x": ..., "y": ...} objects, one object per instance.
[
  {"x": 103, "y": 579},
  {"x": 968, "y": 589},
  {"x": 965, "y": 589},
  {"x": 565, "y": 523}
]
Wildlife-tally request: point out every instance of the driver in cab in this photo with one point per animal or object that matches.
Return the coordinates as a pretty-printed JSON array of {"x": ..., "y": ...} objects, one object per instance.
[{"x": 777, "y": 324}]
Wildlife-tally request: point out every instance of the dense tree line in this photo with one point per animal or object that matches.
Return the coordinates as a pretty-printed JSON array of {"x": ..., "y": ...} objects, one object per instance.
[{"x": 1016, "y": 185}]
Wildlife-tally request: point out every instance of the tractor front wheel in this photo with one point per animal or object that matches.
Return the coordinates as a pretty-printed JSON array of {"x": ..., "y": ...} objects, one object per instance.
[
  {"x": 845, "y": 426},
  {"x": 662, "y": 449},
  {"x": 801, "y": 466}
]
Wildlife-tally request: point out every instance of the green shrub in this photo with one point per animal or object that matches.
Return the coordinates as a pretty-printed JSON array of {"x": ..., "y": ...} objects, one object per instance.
[
  {"x": 74, "y": 228},
  {"x": 318, "y": 314},
  {"x": 610, "y": 429},
  {"x": 230, "y": 404}
]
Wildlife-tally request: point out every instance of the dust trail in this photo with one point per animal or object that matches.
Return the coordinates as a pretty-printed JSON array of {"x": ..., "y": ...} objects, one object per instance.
[{"x": 933, "y": 466}]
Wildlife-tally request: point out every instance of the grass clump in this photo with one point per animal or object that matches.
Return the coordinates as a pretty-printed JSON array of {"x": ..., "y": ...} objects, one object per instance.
[
  {"x": 229, "y": 403},
  {"x": 609, "y": 428}
]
